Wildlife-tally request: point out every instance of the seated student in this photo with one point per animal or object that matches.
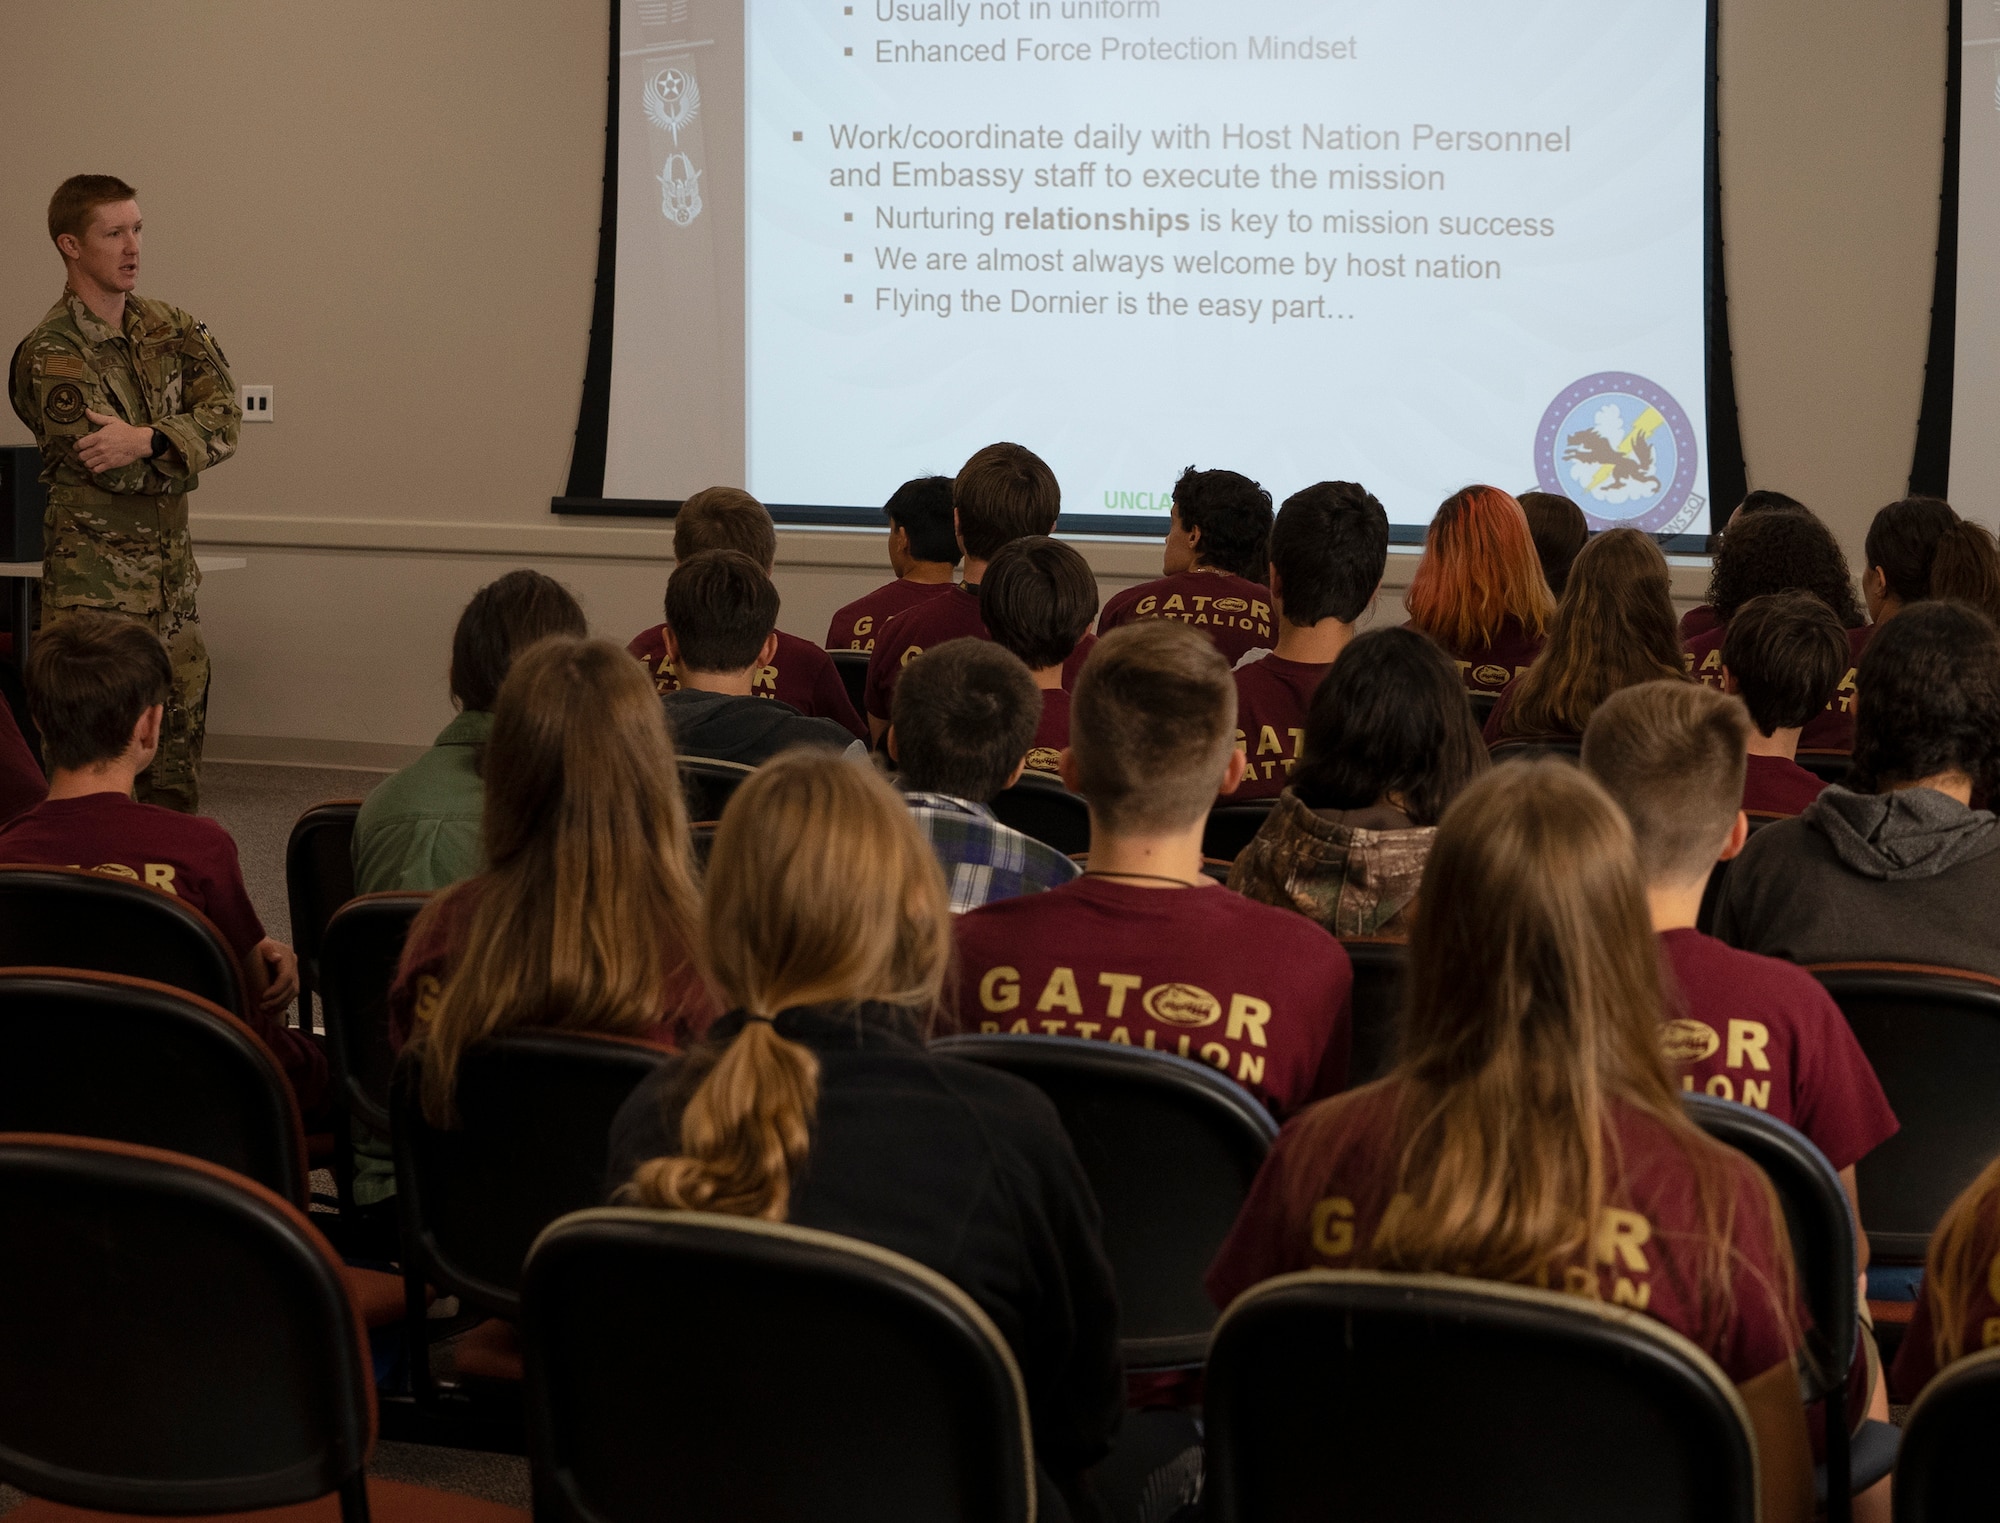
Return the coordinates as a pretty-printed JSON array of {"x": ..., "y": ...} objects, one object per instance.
[
  {"x": 586, "y": 915},
  {"x": 1559, "y": 530},
  {"x": 1143, "y": 949},
  {"x": 419, "y": 830},
  {"x": 1784, "y": 655},
  {"x": 1478, "y": 589},
  {"x": 1897, "y": 866},
  {"x": 965, "y": 720},
  {"x": 1218, "y": 545},
  {"x": 1901, "y": 550},
  {"x": 800, "y": 673},
  {"x": 1389, "y": 743},
  {"x": 1701, "y": 619},
  {"x": 1966, "y": 567},
  {"x": 1329, "y": 547},
  {"x": 22, "y": 785},
  {"x": 1002, "y": 493},
  {"x": 97, "y": 688},
  {"x": 1529, "y": 1125},
  {"x": 815, "y": 1101},
  {"x": 721, "y": 632},
  {"x": 1786, "y": 552},
  {"x": 1751, "y": 1029},
  {"x": 1958, "y": 1301},
  {"x": 1613, "y": 628},
  {"x": 923, "y": 550},
  {"x": 1038, "y": 598}
]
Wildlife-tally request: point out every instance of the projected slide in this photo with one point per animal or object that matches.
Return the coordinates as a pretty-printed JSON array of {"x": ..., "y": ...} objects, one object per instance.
[
  {"x": 1413, "y": 243},
  {"x": 1975, "y": 440}
]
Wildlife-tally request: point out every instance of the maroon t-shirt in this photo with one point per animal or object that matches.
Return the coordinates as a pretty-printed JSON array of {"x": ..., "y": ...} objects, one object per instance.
[
  {"x": 22, "y": 785},
  {"x": 1490, "y": 667},
  {"x": 1698, "y": 621},
  {"x": 1979, "y": 1326},
  {"x": 1319, "y": 1200},
  {"x": 1231, "y": 610},
  {"x": 1262, "y": 994},
  {"x": 1272, "y": 695},
  {"x": 932, "y": 622},
  {"x": 1778, "y": 785},
  {"x": 854, "y": 627},
  {"x": 190, "y": 857},
  {"x": 1832, "y": 729},
  {"x": 1765, "y": 1033},
  {"x": 801, "y": 674},
  {"x": 1052, "y": 734}
]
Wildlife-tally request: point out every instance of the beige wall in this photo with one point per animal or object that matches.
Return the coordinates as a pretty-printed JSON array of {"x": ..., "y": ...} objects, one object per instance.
[{"x": 389, "y": 212}]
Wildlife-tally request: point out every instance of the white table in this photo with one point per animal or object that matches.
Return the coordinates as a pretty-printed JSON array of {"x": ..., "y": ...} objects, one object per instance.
[{"x": 25, "y": 575}]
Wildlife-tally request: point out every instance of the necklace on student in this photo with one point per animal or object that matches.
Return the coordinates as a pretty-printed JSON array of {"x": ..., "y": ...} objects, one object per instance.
[{"x": 1146, "y": 877}]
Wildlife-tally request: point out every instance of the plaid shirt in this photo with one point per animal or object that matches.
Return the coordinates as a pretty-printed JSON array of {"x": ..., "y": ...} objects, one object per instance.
[{"x": 984, "y": 860}]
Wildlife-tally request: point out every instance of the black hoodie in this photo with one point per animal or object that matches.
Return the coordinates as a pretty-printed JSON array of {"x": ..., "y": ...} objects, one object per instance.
[{"x": 723, "y": 727}]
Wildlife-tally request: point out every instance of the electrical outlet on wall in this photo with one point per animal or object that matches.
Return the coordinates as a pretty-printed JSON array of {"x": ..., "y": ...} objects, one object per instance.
[{"x": 256, "y": 402}]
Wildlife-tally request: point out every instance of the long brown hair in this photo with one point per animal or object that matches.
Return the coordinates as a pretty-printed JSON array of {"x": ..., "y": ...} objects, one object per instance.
[
  {"x": 1479, "y": 569},
  {"x": 586, "y": 918},
  {"x": 1614, "y": 628},
  {"x": 1532, "y": 1008},
  {"x": 1954, "y": 1265},
  {"x": 821, "y": 891}
]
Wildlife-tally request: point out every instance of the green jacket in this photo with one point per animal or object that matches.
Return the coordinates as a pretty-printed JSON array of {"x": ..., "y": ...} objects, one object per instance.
[{"x": 420, "y": 828}]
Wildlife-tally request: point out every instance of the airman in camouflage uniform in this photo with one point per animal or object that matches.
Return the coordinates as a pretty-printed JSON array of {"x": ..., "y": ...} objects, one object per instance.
[{"x": 118, "y": 538}]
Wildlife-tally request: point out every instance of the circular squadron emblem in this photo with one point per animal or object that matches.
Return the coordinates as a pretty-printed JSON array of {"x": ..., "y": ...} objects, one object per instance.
[
  {"x": 1623, "y": 450},
  {"x": 671, "y": 98}
]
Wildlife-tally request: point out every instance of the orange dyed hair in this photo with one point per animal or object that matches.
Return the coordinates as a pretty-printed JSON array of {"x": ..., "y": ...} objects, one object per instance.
[{"x": 1479, "y": 567}]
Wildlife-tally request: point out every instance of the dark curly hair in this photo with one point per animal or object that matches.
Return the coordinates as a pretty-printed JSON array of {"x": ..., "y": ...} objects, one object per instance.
[
  {"x": 1782, "y": 552},
  {"x": 1928, "y": 699},
  {"x": 1234, "y": 516}
]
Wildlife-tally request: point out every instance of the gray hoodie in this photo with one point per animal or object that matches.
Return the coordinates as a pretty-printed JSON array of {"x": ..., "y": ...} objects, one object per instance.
[{"x": 1910, "y": 876}]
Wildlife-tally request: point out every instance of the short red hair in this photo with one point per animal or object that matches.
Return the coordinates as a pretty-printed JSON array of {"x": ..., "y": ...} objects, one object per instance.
[{"x": 1479, "y": 568}]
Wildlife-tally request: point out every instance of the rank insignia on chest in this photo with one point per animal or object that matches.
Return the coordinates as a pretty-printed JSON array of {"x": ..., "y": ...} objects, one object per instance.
[{"x": 64, "y": 403}]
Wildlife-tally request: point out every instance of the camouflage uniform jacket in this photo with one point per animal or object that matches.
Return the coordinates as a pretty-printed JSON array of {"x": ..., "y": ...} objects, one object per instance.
[
  {"x": 161, "y": 369},
  {"x": 1350, "y": 875}
]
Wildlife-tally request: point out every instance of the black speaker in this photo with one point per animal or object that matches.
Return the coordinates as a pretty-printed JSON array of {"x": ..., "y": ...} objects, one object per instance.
[{"x": 23, "y": 500}]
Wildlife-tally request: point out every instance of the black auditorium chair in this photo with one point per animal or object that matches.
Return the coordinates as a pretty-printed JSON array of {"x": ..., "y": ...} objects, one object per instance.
[
  {"x": 1040, "y": 806},
  {"x": 319, "y": 879},
  {"x": 531, "y": 1143},
  {"x": 1170, "y": 1147},
  {"x": 1827, "y": 766},
  {"x": 1528, "y": 747},
  {"x": 1372, "y": 1397},
  {"x": 362, "y": 943},
  {"x": 702, "y": 835},
  {"x": 66, "y": 917},
  {"x": 1231, "y": 826},
  {"x": 708, "y": 785},
  {"x": 1483, "y": 705},
  {"x": 179, "y": 1340},
  {"x": 1379, "y": 963},
  {"x": 824, "y": 1379},
  {"x": 1945, "y": 1474},
  {"x": 853, "y": 668},
  {"x": 1820, "y": 1224},
  {"x": 1933, "y": 1038}
]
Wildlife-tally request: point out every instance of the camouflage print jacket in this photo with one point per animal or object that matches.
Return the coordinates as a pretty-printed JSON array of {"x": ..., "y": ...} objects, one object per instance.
[
  {"x": 161, "y": 370},
  {"x": 1357, "y": 875}
]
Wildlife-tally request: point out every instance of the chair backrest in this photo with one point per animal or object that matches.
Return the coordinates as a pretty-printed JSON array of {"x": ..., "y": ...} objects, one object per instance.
[
  {"x": 99, "y": 1055},
  {"x": 1230, "y": 827},
  {"x": 532, "y": 1144},
  {"x": 1933, "y": 1037},
  {"x": 1528, "y": 747},
  {"x": 1365, "y": 1396},
  {"x": 1483, "y": 705},
  {"x": 177, "y": 1339},
  {"x": 1827, "y": 766},
  {"x": 1379, "y": 963},
  {"x": 1944, "y": 1471},
  {"x": 702, "y": 835},
  {"x": 358, "y": 957},
  {"x": 319, "y": 879},
  {"x": 708, "y": 784},
  {"x": 853, "y": 668},
  {"x": 66, "y": 917},
  {"x": 1170, "y": 1148},
  {"x": 1042, "y": 807},
  {"x": 820, "y": 1378},
  {"x": 1818, "y": 1220}
]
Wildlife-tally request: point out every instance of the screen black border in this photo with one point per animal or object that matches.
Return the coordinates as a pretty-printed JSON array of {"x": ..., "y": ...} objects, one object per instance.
[
  {"x": 1930, "y": 462},
  {"x": 1727, "y": 476}
]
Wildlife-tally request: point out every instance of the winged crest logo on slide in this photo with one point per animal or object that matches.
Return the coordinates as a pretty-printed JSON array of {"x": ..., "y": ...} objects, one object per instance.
[
  {"x": 1623, "y": 449},
  {"x": 671, "y": 98},
  {"x": 680, "y": 190}
]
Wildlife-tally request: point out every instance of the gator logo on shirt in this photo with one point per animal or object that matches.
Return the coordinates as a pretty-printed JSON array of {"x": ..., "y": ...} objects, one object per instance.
[
  {"x": 1687, "y": 1041},
  {"x": 1491, "y": 676},
  {"x": 1230, "y": 605},
  {"x": 1044, "y": 759},
  {"x": 1182, "y": 1005}
]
